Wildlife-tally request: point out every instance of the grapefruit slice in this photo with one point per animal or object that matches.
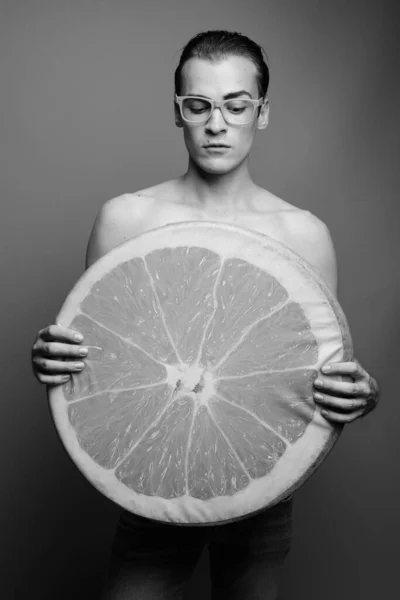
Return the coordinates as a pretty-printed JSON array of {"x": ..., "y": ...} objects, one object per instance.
[{"x": 196, "y": 403}]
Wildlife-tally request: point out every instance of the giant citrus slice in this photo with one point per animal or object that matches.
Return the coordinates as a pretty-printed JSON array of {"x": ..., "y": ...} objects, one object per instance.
[{"x": 196, "y": 403}]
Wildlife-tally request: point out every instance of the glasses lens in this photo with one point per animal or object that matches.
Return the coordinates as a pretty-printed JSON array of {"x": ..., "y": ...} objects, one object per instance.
[
  {"x": 196, "y": 110},
  {"x": 238, "y": 112},
  {"x": 235, "y": 112}
]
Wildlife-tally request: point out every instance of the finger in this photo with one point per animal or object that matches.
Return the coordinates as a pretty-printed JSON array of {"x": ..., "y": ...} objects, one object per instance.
[
  {"x": 341, "y": 388},
  {"x": 338, "y": 403},
  {"x": 340, "y": 417},
  {"x": 55, "y": 350},
  {"x": 351, "y": 369},
  {"x": 56, "y": 367},
  {"x": 60, "y": 334},
  {"x": 53, "y": 379}
]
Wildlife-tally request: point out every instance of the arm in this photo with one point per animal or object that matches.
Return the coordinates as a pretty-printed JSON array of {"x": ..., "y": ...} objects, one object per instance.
[
  {"x": 56, "y": 352},
  {"x": 111, "y": 228},
  {"x": 340, "y": 401}
]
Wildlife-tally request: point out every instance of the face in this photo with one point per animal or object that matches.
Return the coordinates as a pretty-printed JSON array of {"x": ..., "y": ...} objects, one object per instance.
[{"x": 215, "y": 80}]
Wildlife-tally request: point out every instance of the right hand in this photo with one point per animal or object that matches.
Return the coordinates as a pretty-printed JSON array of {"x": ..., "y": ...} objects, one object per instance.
[{"x": 55, "y": 354}]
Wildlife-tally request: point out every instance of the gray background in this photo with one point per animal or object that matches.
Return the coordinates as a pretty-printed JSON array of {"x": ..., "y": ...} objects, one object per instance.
[{"x": 86, "y": 115}]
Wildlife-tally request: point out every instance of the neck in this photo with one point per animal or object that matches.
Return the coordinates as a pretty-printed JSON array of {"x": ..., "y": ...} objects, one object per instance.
[{"x": 219, "y": 193}]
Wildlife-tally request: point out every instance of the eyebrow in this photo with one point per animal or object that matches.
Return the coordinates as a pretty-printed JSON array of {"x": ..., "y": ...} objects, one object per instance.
[{"x": 226, "y": 97}]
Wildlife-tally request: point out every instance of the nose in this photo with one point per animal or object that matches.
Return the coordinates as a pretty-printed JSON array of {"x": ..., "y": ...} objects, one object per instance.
[{"x": 216, "y": 122}]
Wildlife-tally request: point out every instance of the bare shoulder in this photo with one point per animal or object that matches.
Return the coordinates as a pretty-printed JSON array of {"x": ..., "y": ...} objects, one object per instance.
[
  {"x": 131, "y": 207},
  {"x": 126, "y": 216},
  {"x": 136, "y": 203},
  {"x": 310, "y": 237},
  {"x": 265, "y": 202},
  {"x": 306, "y": 227},
  {"x": 298, "y": 225},
  {"x": 115, "y": 223},
  {"x": 122, "y": 211}
]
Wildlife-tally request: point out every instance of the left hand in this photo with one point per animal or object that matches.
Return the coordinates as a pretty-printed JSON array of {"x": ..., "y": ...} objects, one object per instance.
[{"x": 344, "y": 401}]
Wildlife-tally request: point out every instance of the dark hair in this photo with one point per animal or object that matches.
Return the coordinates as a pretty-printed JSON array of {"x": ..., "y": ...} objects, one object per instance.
[{"x": 218, "y": 44}]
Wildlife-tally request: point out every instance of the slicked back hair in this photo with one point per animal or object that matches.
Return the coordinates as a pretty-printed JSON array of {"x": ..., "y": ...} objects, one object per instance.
[{"x": 217, "y": 45}]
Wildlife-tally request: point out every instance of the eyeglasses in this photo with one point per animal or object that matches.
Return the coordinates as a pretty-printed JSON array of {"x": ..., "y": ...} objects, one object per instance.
[{"x": 237, "y": 111}]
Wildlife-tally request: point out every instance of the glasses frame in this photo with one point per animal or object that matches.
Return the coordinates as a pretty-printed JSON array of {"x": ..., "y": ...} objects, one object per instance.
[{"x": 218, "y": 104}]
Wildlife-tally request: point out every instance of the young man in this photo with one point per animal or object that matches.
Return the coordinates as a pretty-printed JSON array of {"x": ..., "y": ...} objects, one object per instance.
[{"x": 221, "y": 101}]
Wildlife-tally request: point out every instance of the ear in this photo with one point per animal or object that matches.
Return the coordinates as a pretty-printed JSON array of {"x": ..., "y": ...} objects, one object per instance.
[
  {"x": 178, "y": 118},
  {"x": 263, "y": 117}
]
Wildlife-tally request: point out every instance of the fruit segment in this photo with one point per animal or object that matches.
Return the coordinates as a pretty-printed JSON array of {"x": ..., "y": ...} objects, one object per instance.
[
  {"x": 244, "y": 294},
  {"x": 156, "y": 466},
  {"x": 110, "y": 423},
  {"x": 124, "y": 301},
  {"x": 111, "y": 362},
  {"x": 184, "y": 280},
  {"x": 283, "y": 339},
  {"x": 257, "y": 446},
  {"x": 283, "y": 400},
  {"x": 213, "y": 467}
]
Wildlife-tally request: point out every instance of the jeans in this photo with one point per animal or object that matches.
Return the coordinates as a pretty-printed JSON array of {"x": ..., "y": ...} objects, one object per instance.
[{"x": 154, "y": 561}]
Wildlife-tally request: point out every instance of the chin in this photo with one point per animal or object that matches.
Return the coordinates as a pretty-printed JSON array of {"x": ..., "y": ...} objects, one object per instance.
[{"x": 216, "y": 166}]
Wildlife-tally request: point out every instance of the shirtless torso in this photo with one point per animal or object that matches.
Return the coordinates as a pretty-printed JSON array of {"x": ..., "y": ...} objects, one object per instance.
[{"x": 129, "y": 215}]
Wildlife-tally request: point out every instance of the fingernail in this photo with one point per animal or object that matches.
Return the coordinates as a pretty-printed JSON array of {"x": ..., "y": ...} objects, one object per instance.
[
  {"x": 78, "y": 337},
  {"x": 79, "y": 365},
  {"x": 65, "y": 378},
  {"x": 83, "y": 351},
  {"x": 326, "y": 369},
  {"x": 318, "y": 382},
  {"x": 318, "y": 396}
]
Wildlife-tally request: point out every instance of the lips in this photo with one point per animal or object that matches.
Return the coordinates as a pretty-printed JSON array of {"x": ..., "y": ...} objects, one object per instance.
[{"x": 216, "y": 146}]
